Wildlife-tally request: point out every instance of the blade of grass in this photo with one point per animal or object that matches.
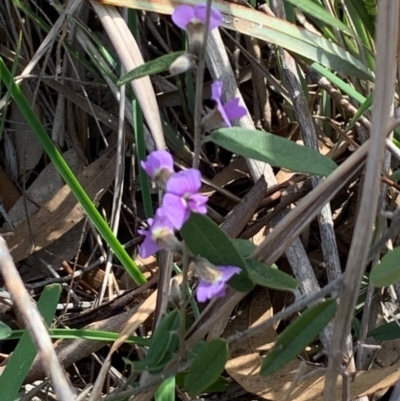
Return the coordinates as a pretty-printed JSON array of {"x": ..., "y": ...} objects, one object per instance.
[
  {"x": 21, "y": 359},
  {"x": 66, "y": 173},
  {"x": 82, "y": 334}
]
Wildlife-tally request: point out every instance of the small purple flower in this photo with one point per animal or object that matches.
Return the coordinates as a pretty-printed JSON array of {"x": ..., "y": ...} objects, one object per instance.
[
  {"x": 159, "y": 166},
  {"x": 185, "y": 16},
  {"x": 159, "y": 235},
  {"x": 229, "y": 110},
  {"x": 182, "y": 197},
  {"x": 213, "y": 284}
]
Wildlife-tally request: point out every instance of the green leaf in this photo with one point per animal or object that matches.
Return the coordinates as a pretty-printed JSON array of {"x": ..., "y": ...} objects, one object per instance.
[
  {"x": 80, "y": 334},
  {"x": 21, "y": 359},
  {"x": 205, "y": 238},
  {"x": 166, "y": 391},
  {"x": 388, "y": 271},
  {"x": 396, "y": 176},
  {"x": 272, "y": 149},
  {"x": 316, "y": 11},
  {"x": 162, "y": 342},
  {"x": 298, "y": 335},
  {"x": 207, "y": 366},
  {"x": 270, "y": 277},
  {"x": 243, "y": 246},
  {"x": 218, "y": 386},
  {"x": 386, "y": 332},
  {"x": 5, "y": 331},
  {"x": 152, "y": 67}
]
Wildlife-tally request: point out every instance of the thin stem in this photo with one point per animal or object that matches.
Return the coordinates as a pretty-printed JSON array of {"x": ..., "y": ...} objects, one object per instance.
[
  {"x": 199, "y": 90},
  {"x": 183, "y": 302}
]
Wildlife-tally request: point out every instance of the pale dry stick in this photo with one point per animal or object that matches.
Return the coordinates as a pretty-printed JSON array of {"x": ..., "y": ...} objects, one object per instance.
[
  {"x": 387, "y": 29},
  {"x": 370, "y": 314},
  {"x": 34, "y": 323},
  {"x": 118, "y": 190},
  {"x": 131, "y": 57}
]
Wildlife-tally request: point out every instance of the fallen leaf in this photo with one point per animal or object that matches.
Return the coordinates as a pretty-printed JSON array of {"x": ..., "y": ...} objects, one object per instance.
[
  {"x": 62, "y": 211},
  {"x": 244, "y": 365}
]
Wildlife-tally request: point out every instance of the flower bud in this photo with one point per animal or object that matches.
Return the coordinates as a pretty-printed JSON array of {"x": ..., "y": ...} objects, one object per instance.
[{"x": 182, "y": 64}]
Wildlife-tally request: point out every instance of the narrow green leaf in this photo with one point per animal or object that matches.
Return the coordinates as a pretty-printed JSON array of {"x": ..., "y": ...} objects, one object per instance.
[
  {"x": 5, "y": 331},
  {"x": 152, "y": 67},
  {"x": 207, "y": 366},
  {"x": 166, "y": 391},
  {"x": 272, "y": 149},
  {"x": 162, "y": 342},
  {"x": 21, "y": 359},
  {"x": 205, "y": 238},
  {"x": 298, "y": 335},
  {"x": 386, "y": 332},
  {"x": 362, "y": 109},
  {"x": 320, "y": 13},
  {"x": 270, "y": 277},
  {"x": 82, "y": 334},
  {"x": 388, "y": 271}
]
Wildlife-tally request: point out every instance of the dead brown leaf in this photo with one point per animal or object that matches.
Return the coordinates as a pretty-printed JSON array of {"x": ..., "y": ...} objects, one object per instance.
[
  {"x": 62, "y": 211},
  {"x": 244, "y": 365}
]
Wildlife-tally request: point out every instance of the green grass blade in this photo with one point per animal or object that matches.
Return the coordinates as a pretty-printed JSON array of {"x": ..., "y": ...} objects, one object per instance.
[
  {"x": 68, "y": 176},
  {"x": 84, "y": 334},
  {"x": 152, "y": 67},
  {"x": 21, "y": 359},
  {"x": 316, "y": 11}
]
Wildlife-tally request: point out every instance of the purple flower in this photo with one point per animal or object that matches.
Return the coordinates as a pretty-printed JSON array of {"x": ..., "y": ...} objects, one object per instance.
[
  {"x": 159, "y": 166},
  {"x": 185, "y": 16},
  {"x": 159, "y": 235},
  {"x": 213, "y": 283},
  {"x": 229, "y": 110},
  {"x": 182, "y": 197}
]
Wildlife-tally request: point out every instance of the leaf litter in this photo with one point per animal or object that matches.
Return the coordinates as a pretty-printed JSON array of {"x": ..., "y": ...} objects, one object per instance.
[{"x": 44, "y": 226}]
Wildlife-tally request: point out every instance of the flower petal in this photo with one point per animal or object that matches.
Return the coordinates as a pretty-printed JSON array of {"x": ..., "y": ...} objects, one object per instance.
[
  {"x": 182, "y": 16},
  {"x": 156, "y": 161},
  {"x": 200, "y": 12},
  {"x": 162, "y": 221},
  {"x": 233, "y": 109},
  {"x": 228, "y": 272},
  {"x": 148, "y": 246},
  {"x": 184, "y": 182},
  {"x": 197, "y": 203},
  {"x": 216, "y": 91},
  {"x": 175, "y": 209},
  {"x": 206, "y": 290}
]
